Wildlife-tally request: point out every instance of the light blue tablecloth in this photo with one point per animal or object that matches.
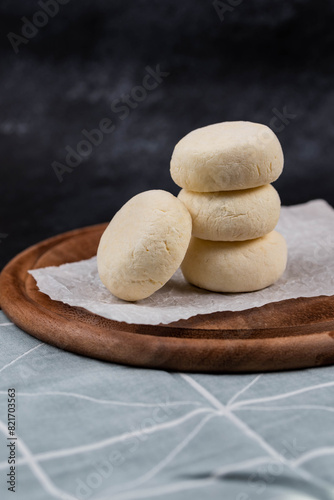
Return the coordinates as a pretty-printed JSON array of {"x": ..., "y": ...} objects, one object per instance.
[{"x": 91, "y": 429}]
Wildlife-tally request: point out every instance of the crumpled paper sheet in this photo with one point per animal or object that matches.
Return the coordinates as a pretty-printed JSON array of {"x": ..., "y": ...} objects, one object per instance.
[{"x": 308, "y": 229}]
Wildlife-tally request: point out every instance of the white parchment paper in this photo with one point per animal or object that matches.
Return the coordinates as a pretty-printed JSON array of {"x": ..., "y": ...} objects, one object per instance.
[{"x": 308, "y": 229}]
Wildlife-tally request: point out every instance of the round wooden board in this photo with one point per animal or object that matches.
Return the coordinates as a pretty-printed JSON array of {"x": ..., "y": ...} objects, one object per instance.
[{"x": 290, "y": 334}]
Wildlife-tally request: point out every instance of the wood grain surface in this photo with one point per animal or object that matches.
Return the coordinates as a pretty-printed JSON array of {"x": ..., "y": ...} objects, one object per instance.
[{"x": 290, "y": 334}]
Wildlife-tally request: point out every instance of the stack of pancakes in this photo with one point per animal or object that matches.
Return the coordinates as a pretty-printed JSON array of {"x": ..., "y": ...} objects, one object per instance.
[{"x": 226, "y": 171}]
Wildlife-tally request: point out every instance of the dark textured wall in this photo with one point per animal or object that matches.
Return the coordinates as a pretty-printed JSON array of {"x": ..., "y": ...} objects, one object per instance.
[{"x": 261, "y": 59}]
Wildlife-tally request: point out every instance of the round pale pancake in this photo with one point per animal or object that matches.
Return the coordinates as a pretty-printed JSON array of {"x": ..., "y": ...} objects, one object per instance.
[
  {"x": 143, "y": 245},
  {"x": 238, "y": 266},
  {"x": 227, "y": 156},
  {"x": 233, "y": 215}
]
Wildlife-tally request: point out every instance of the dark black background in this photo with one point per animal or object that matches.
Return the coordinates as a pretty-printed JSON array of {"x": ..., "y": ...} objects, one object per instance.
[{"x": 264, "y": 55}]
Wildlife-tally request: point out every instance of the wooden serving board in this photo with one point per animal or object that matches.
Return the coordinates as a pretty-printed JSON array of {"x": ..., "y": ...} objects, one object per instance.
[{"x": 290, "y": 334}]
